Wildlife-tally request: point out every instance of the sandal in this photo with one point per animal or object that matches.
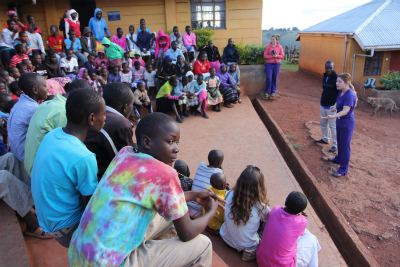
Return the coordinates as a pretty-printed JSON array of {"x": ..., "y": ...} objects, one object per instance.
[
  {"x": 240, "y": 101},
  {"x": 40, "y": 234}
]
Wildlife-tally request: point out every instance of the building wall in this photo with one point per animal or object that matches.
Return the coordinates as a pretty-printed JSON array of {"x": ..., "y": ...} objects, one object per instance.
[
  {"x": 315, "y": 49},
  {"x": 243, "y": 21},
  {"x": 394, "y": 61}
]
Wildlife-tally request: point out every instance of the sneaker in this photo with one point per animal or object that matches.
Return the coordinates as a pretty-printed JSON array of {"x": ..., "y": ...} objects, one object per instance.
[
  {"x": 248, "y": 255},
  {"x": 333, "y": 149},
  {"x": 265, "y": 96},
  {"x": 322, "y": 141},
  {"x": 338, "y": 174},
  {"x": 273, "y": 94}
]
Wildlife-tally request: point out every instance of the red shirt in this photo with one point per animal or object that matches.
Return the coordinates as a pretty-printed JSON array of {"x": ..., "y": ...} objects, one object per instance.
[
  {"x": 16, "y": 59},
  {"x": 56, "y": 43},
  {"x": 200, "y": 67},
  {"x": 76, "y": 26}
]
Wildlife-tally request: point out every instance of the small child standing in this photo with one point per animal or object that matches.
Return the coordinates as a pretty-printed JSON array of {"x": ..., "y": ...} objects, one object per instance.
[
  {"x": 200, "y": 90},
  {"x": 149, "y": 78},
  {"x": 284, "y": 226},
  {"x": 126, "y": 74},
  {"x": 141, "y": 99},
  {"x": 218, "y": 187},
  {"x": 245, "y": 210},
  {"x": 201, "y": 181},
  {"x": 214, "y": 98},
  {"x": 183, "y": 171}
]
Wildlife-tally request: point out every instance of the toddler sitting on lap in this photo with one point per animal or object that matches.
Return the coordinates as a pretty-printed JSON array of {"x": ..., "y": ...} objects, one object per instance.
[{"x": 219, "y": 188}]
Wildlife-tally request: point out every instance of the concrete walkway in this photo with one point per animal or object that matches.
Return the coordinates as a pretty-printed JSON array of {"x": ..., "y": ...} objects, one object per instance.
[
  {"x": 241, "y": 135},
  {"x": 244, "y": 139}
]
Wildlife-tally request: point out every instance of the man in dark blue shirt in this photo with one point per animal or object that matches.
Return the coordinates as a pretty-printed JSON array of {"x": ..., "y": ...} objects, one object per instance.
[{"x": 328, "y": 101}]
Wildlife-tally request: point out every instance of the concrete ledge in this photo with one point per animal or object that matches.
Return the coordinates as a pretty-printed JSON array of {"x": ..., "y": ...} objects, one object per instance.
[
  {"x": 350, "y": 246},
  {"x": 252, "y": 79},
  {"x": 12, "y": 245}
]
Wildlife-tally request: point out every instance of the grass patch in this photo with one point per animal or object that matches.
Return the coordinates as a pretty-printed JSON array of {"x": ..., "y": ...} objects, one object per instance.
[
  {"x": 285, "y": 65},
  {"x": 297, "y": 146}
]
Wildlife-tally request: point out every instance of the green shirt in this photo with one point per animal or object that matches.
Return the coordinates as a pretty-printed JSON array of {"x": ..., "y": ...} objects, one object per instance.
[
  {"x": 165, "y": 90},
  {"x": 48, "y": 116}
]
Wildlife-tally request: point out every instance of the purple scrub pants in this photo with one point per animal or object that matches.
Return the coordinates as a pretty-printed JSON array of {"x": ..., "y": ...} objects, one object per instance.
[
  {"x": 344, "y": 130},
  {"x": 271, "y": 71}
]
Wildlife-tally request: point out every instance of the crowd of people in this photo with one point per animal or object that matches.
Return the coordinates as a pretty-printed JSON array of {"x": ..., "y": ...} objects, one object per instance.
[
  {"x": 71, "y": 170},
  {"x": 171, "y": 69}
]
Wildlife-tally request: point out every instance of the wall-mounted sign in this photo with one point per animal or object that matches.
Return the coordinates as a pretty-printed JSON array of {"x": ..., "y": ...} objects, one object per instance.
[{"x": 114, "y": 15}]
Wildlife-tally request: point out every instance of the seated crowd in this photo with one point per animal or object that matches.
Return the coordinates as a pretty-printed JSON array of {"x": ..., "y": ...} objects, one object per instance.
[{"x": 74, "y": 169}]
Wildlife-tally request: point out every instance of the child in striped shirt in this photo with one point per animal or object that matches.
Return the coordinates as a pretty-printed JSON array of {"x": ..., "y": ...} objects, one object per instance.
[{"x": 201, "y": 181}]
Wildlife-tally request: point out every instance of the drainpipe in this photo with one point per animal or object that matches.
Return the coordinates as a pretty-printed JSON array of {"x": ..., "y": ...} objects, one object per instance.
[
  {"x": 360, "y": 55},
  {"x": 345, "y": 53}
]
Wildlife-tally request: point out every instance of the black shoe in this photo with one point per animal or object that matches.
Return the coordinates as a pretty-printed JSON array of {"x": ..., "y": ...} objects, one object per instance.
[
  {"x": 179, "y": 119},
  {"x": 185, "y": 114},
  {"x": 321, "y": 141}
]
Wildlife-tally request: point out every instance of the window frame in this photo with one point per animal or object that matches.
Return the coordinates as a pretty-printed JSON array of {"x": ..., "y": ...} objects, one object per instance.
[
  {"x": 373, "y": 65},
  {"x": 201, "y": 3}
]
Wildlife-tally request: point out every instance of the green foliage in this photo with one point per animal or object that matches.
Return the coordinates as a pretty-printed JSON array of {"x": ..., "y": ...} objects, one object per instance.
[
  {"x": 203, "y": 36},
  {"x": 391, "y": 80},
  {"x": 250, "y": 54}
]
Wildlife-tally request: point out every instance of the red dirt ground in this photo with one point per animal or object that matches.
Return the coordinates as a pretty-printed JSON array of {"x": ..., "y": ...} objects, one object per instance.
[{"x": 369, "y": 197}]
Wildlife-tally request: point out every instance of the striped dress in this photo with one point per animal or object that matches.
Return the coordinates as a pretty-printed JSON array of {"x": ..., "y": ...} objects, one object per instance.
[{"x": 227, "y": 88}]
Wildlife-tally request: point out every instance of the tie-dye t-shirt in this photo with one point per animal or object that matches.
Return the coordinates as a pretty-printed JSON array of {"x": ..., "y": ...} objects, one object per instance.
[{"x": 134, "y": 188}]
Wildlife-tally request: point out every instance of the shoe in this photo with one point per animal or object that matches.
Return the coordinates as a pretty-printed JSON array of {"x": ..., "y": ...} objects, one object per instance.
[
  {"x": 185, "y": 114},
  {"x": 248, "y": 255},
  {"x": 338, "y": 174},
  {"x": 332, "y": 149},
  {"x": 214, "y": 108},
  {"x": 205, "y": 116},
  {"x": 179, "y": 119},
  {"x": 265, "y": 96},
  {"x": 228, "y": 105},
  {"x": 322, "y": 141},
  {"x": 240, "y": 101},
  {"x": 273, "y": 94},
  {"x": 218, "y": 109}
]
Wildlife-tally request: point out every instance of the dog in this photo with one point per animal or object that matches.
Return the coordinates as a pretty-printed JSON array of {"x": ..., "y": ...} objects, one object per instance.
[{"x": 384, "y": 102}]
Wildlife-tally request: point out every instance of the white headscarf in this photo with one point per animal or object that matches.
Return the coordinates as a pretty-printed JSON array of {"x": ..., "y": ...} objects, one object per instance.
[{"x": 69, "y": 12}]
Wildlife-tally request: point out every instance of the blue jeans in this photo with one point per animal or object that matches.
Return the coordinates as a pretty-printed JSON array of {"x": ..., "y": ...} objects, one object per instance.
[{"x": 271, "y": 71}]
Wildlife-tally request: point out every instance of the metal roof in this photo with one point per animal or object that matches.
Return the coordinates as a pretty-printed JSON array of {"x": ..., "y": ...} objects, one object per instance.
[{"x": 375, "y": 25}]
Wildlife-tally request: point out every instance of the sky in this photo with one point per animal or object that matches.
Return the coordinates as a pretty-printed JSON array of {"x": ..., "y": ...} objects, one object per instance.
[{"x": 303, "y": 13}]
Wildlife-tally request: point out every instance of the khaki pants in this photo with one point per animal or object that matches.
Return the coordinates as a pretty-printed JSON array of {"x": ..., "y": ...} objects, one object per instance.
[{"x": 170, "y": 252}]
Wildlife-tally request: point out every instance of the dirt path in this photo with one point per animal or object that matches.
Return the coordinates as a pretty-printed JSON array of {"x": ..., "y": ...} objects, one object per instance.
[{"x": 369, "y": 197}]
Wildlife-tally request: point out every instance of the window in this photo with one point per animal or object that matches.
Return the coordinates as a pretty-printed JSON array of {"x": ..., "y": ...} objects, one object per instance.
[
  {"x": 208, "y": 14},
  {"x": 373, "y": 65}
]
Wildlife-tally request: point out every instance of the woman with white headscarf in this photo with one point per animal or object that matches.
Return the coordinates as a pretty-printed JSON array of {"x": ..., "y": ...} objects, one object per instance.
[{"x": 72, "y": 23}]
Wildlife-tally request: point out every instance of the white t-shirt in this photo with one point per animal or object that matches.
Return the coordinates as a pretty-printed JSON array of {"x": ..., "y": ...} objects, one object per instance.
[
  {"x": 307, "y": 250},
  {"x": 201, "y": 182},
  {"x": 149, "y": 77},
  {"x": 126, "y": 77},
  {"x": 68, "y": 64},
  {"x": 241, "y": 236}
]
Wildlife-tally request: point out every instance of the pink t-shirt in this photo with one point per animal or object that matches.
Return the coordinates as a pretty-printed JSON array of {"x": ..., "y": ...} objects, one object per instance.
[
  {"x": 189, "y": 39},
  {"x": 278, "y": 246},
  {"x": 120, "y": 41}
]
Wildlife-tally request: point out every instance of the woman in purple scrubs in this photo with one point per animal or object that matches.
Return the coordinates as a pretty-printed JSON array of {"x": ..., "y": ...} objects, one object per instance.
[{"x": 345, "y": 122}]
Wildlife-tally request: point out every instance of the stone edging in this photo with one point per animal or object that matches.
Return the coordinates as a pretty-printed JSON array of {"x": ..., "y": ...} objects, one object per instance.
[{"x": 348, "y": 243}]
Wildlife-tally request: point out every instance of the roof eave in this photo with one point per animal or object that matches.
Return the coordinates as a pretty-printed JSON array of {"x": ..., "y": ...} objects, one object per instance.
[
  {"x": 333, "y": 33},
  {"x": 383, "y": 48}
]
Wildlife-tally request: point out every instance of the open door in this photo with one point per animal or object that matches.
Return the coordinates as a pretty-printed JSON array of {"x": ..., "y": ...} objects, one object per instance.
[{"x": 85, "y": 9}]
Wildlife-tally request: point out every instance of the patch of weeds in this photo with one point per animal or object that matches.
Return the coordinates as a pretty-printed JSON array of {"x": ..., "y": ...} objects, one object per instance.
[{"x": 297, "y": 146}]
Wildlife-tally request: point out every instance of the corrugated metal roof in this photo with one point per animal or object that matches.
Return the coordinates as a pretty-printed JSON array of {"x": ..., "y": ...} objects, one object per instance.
[{"x": 375, "y": 25}]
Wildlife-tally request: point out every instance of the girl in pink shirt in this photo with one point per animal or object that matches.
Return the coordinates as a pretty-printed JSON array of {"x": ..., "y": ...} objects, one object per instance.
[{"x": 284, "y": 225}]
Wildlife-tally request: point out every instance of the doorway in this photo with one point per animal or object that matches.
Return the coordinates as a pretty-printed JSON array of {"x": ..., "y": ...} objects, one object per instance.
[{"x": 85, "y": 10}]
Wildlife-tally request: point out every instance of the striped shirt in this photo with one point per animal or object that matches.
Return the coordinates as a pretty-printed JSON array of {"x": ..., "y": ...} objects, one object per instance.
[{"x": 201, "y": 182}]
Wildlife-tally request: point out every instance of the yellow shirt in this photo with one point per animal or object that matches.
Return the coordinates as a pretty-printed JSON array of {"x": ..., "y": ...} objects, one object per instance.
[{"x": 218, "y": 218}]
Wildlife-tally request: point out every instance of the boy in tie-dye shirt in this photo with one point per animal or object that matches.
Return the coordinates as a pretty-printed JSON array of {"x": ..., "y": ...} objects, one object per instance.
[{"x": 123, "y": 213}]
